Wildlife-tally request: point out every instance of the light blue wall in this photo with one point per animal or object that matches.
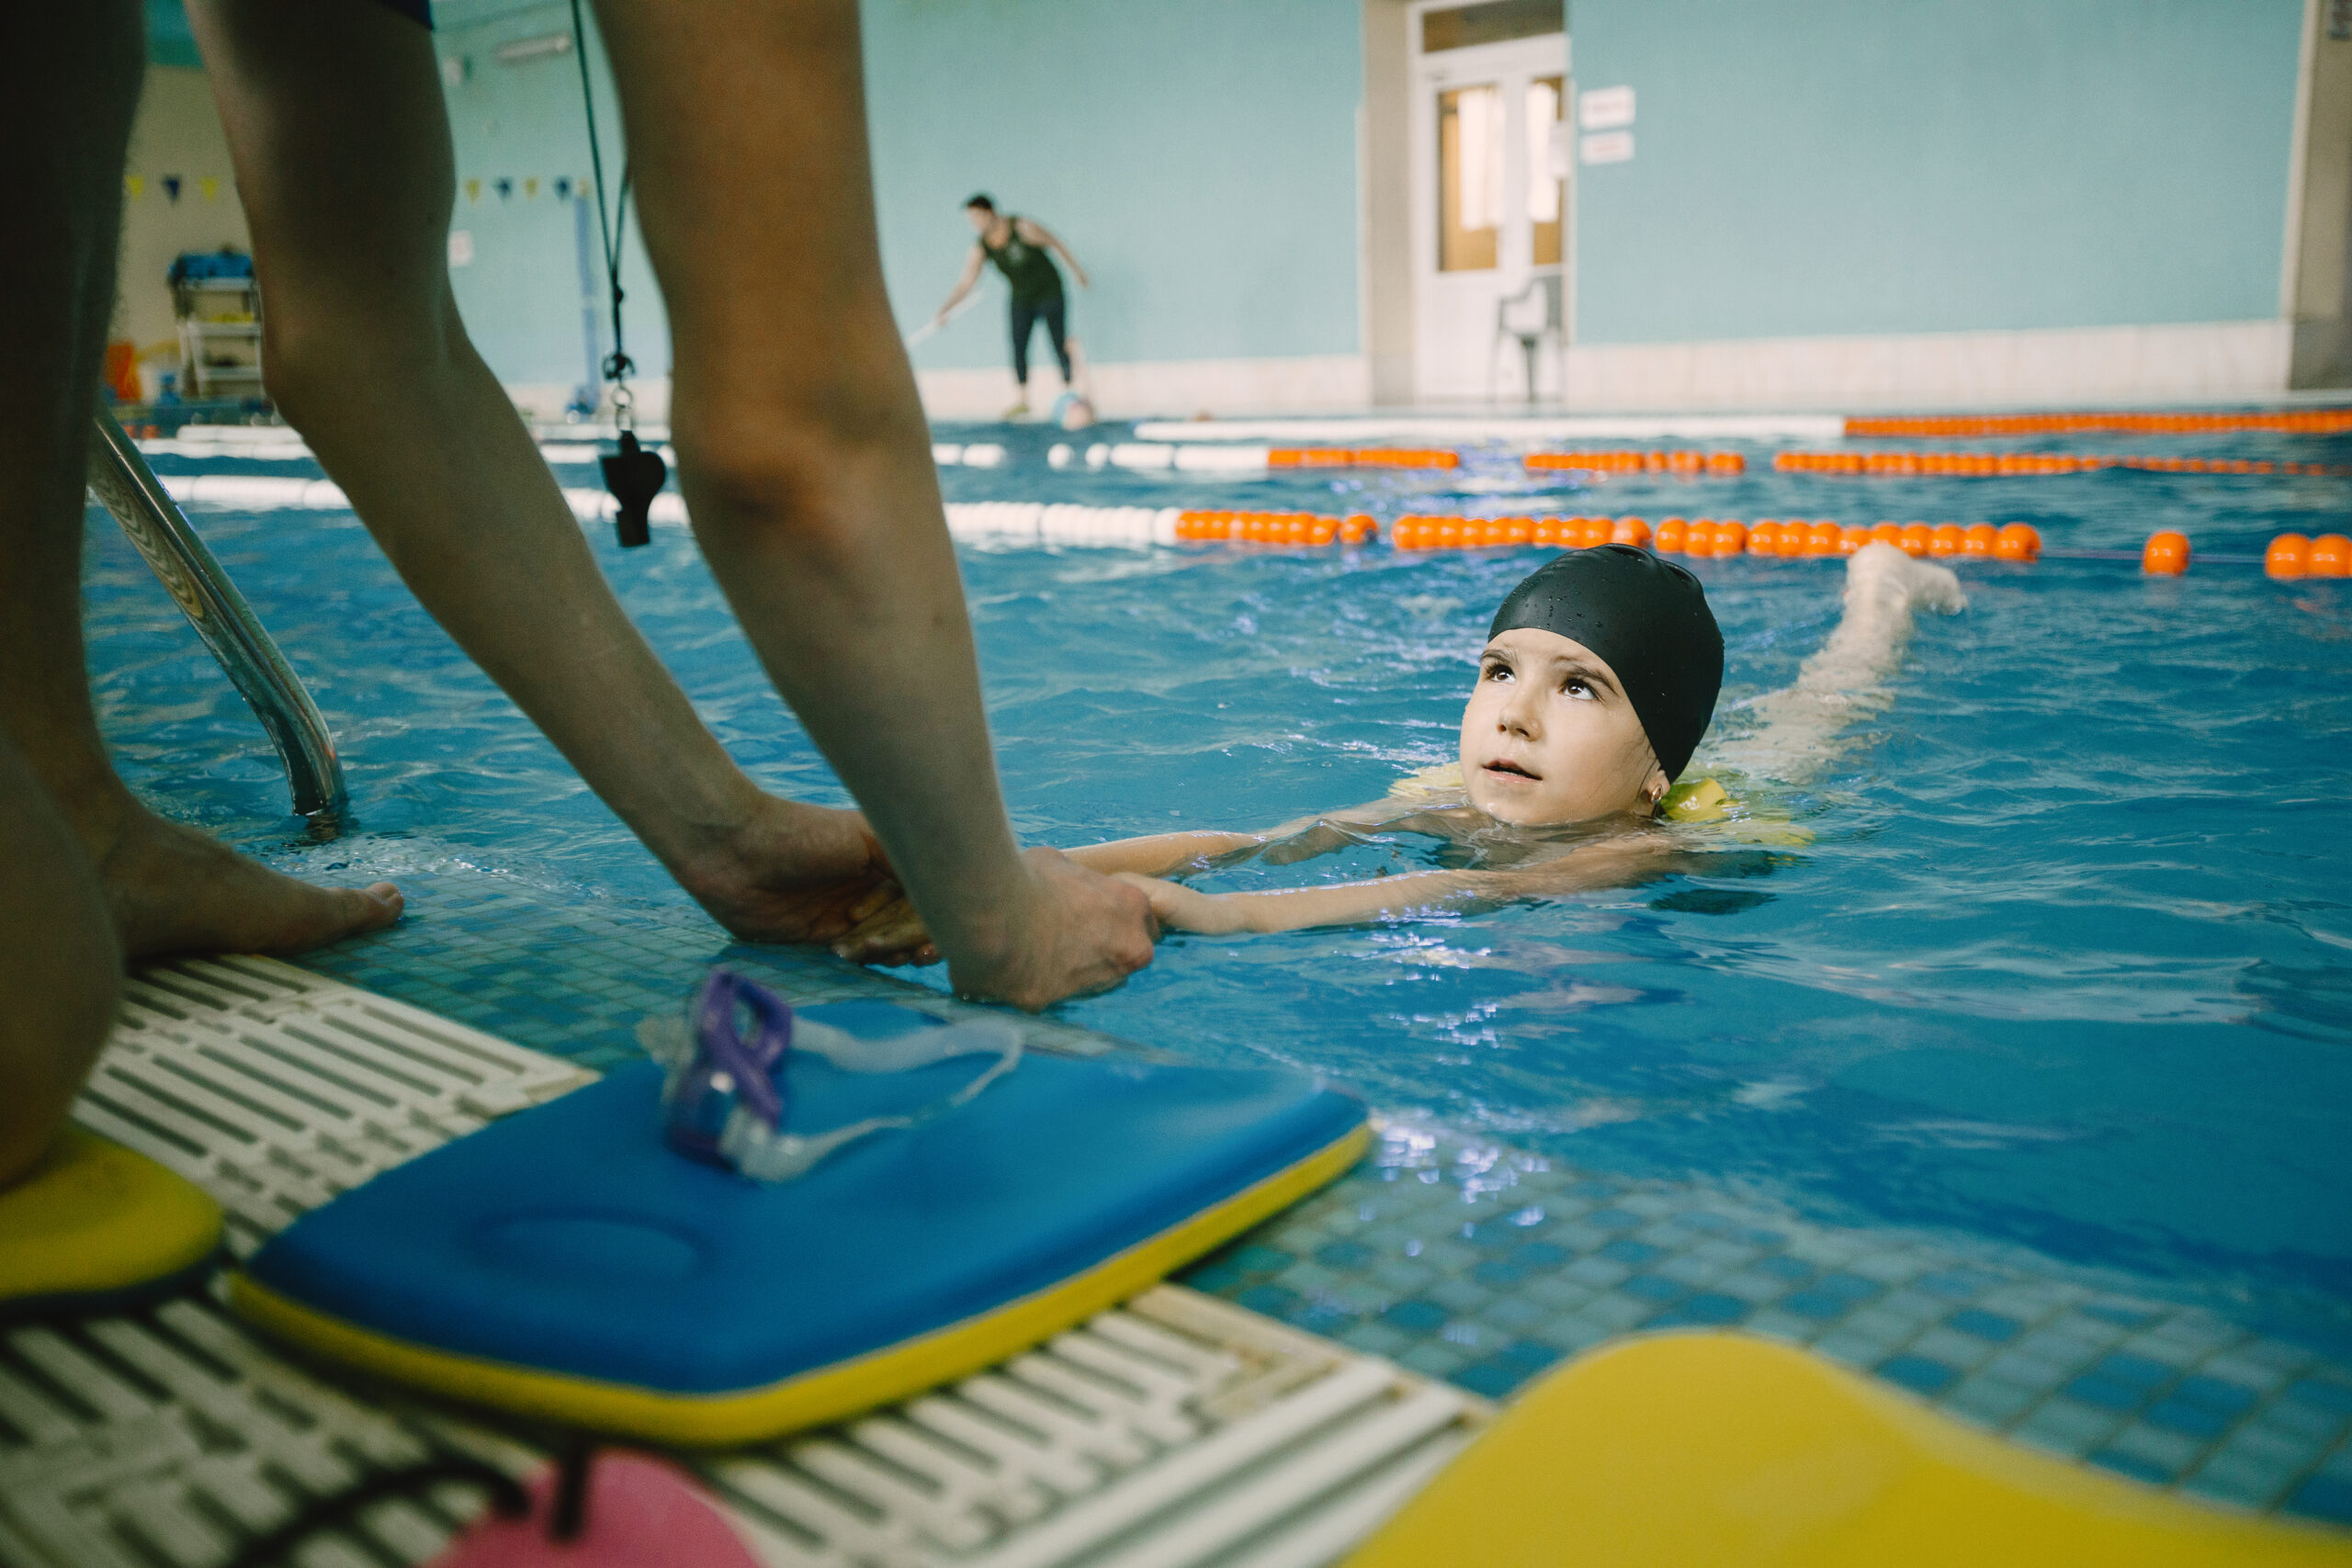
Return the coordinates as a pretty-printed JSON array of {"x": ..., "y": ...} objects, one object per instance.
[
  {"x": 170, "y": 40},
  {"x": 1804, "y": 167},
  {"x": 521, "y": 297},
  {"x": 1199, "y": 157},
  {"x": 1856, "y": 166}
]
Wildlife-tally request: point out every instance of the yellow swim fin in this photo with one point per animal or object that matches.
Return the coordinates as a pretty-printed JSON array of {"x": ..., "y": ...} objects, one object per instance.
[
  {"x": 96, "y": 1226},
  {"x": 1719, "y": 1451}
]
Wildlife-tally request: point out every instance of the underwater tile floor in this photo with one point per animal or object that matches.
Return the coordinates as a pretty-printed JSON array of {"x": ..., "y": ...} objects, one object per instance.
[{"x": 1484, "y": 1266}]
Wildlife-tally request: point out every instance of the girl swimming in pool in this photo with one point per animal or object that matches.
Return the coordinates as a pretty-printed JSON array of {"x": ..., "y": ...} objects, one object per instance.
[{"x": 1597, "y": 683}]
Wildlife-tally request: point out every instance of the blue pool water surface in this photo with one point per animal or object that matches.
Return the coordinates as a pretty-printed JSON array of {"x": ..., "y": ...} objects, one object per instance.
[{"x": 2066, "y": 965}]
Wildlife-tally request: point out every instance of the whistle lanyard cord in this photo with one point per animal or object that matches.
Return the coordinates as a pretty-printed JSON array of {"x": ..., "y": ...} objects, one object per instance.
[{"x": 618, "y": 365}]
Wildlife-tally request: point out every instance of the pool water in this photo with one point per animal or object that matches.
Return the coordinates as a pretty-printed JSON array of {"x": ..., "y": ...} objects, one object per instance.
[{"x": 2066, "y": 965}]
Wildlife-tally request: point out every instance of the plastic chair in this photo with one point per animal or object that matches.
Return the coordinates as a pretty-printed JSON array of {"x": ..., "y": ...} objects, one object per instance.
[{"x": 1532, "y": 315}]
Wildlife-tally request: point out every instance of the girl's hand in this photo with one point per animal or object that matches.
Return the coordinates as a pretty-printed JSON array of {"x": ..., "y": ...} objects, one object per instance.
[
  {"x": 888, "y": 932},
  {"x": 1180, "y": 908}
]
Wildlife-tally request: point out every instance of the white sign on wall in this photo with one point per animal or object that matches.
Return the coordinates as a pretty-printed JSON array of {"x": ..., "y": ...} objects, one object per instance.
[
  {"x": 1605, "y": 108},
  {"x": 461, "y": 247},
  {"x": 1609, "y": 147}
]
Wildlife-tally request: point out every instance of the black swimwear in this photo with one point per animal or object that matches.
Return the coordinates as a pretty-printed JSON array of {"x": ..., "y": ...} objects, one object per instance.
[
  {"x": 1036, "y": 285},
  {"x": 1025, "y": 317},
  {"x": 1028, "y": 267}
]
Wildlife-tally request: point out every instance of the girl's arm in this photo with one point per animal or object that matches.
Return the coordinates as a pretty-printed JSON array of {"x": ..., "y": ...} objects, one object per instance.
[
  {"x": 894, "y": 934},
  {"x": 1609, "y": 863},
  {"x": 1161, "y": 853},
  {"x": 1846, "y": 680},
  {"x": 1304, "y": 837}
]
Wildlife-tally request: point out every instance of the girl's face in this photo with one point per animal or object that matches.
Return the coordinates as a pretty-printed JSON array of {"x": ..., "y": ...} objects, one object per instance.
[{"x": 1549, "y": 737}]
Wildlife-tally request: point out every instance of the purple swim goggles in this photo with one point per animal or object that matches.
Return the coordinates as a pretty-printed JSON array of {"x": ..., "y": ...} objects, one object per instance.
[{"x": 727, "y": 1100}]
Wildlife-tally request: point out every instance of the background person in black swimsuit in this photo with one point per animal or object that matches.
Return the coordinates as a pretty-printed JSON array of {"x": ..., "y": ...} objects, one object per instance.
[{"x": 1019, "y": 246}]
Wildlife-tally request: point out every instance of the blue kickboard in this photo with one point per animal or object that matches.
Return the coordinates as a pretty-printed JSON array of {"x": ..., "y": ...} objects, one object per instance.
[{"x": 568, "y": 1238}]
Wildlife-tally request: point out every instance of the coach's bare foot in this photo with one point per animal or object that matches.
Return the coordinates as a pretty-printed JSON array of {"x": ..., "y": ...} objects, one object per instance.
[{"x": 172, "y": 889}]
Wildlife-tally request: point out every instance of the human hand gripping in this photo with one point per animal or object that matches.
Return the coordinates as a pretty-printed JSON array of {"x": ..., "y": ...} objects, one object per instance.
[
  {"x": 1080, "y": 933},
  {"x": 1072, "y": 933},
  {"x": 791, "y": 873},
  {"x": 889, "y": 933}
]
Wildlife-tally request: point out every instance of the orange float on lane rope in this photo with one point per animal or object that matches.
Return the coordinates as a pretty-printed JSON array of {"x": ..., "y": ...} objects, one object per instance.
[
  {"x": 2330, "y": 556},
  {"x": 2165, "y": 554},
  {"x": 1685, "y": 461},
  {"x": 2287, "y": 558},
  {"x": 2017, "y": 541}
]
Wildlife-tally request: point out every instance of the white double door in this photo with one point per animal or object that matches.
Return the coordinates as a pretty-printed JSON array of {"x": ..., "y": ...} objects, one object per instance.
[{"x": 1490, "y": 213}]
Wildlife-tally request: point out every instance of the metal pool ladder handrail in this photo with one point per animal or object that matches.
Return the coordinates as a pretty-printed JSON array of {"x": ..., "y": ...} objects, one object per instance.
[{"x": 130, "y": 490}]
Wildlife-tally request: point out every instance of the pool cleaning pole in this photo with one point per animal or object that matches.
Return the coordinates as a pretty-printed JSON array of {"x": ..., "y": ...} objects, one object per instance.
[{"x": 128, "y": 487}]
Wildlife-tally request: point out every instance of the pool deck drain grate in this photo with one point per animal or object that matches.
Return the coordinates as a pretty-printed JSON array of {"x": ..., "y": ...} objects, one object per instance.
[{"x": 1177, "y": 1426}]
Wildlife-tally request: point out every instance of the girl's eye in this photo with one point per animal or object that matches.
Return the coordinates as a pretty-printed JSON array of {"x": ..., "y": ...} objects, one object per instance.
[
  {"x": 1576, "y": 688},
  {"x": 1498, "y": 672}
]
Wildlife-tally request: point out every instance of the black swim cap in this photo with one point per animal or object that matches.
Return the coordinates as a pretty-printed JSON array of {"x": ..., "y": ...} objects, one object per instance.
[{"x": 1649, "y": 619}]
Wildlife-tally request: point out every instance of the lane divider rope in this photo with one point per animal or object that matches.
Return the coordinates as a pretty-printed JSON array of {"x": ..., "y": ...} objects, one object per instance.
[
  {"x": 1146, "y": 455},
  {"x": 2290, "y": 557},
  {"x": 1360, "y": 457},
  {"x": 2007, "y": 464},
  {"x": 2292, "y": 421},
  {"x": 1682, "y": 461},
  {"x": 1706, "y": 536}
]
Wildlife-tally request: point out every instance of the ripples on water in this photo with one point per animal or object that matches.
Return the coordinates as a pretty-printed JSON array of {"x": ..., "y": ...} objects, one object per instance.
[{"x": 2067, "y": 962}]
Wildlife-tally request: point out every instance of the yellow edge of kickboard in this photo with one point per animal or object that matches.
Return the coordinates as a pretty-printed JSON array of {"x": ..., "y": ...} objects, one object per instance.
[
  {"x": 1724, "y": 1450},
  {"x": 174, "y": 1226},
  {"x": 813, "y": 1397}
]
